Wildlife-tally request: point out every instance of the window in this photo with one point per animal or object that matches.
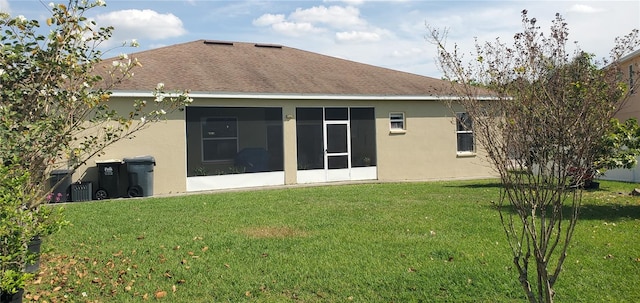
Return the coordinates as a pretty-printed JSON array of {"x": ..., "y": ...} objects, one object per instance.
[
  {"x": 219, "y": 138},
  {"x": 464, "y": 133},
  {"x": 631, "y": 78},
  {"x": 396, "y": 121}
]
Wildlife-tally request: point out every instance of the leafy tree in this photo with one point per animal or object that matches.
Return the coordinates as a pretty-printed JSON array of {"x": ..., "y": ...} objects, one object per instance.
[
  {"x": 541, "y": 131},
  {"x": 54, "y": 111},
  {"x": 620, "y": 147}
]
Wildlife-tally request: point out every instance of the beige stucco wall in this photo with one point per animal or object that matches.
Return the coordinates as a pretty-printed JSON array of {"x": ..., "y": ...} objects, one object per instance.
[
  {"x": 164, "y": 140},
  {"x": 631, "y": 108},
  {"x": 426, "y": 151}
]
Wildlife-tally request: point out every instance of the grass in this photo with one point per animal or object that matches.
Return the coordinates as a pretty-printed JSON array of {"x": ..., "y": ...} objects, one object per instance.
[{"x": 408, "y": 242}]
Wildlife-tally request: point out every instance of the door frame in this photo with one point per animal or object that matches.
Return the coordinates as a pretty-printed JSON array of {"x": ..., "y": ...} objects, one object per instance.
[
  {"x": 324, "y": 174},
  {"x": 342, "y": 173}
]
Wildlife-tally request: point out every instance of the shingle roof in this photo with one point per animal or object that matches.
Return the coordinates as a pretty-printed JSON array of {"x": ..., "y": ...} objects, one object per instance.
[{"x": 226, "y": 67}]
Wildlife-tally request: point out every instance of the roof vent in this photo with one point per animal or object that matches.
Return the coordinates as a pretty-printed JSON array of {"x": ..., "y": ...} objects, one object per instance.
[
  {"x": 217, "y": 42},
  {"x": 268, "y": 45}
]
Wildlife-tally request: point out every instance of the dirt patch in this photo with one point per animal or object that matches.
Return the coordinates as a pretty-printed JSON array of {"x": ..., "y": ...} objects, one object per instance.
[{"x": 273, "y": 232}]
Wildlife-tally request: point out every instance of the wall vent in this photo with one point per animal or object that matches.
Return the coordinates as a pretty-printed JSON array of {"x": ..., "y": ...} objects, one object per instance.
[
  {"x": 268, "y": 45},
  {"x": 217, "y": 42}
]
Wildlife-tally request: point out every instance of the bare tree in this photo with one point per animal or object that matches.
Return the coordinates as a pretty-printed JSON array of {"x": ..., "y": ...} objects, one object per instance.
[{"x": 550, "y": 109}]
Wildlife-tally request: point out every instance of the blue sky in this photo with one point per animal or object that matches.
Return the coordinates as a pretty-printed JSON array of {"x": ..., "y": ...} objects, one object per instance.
[{"x": 383, "y": 33}]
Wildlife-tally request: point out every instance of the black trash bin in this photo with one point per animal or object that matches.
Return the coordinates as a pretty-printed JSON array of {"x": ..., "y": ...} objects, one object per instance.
[
  {"x": 81, "y": 191},
  {"x": 108, "y": 179},
  {"x": 60, "y": 182},
  {"x": 140, "y": 170}
]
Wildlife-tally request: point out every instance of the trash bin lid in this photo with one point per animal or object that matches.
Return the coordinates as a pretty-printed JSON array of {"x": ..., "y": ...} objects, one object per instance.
[
  {"x": 140, "y": 159},
  {"x": 108, "y": 161},
  {"x": 57, "y": 172}
]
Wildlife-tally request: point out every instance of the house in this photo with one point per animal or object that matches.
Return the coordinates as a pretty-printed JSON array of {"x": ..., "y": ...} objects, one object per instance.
[
  {"x": 266, "y": 115},
  {"x": 630, "y": 65}
]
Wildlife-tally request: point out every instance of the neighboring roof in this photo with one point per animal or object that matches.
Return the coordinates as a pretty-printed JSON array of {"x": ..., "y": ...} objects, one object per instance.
[{"x": 248, "y": 68}]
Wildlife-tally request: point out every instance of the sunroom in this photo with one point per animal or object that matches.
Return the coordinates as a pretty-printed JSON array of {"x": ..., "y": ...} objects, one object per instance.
[{"x": 233, "y": 147}]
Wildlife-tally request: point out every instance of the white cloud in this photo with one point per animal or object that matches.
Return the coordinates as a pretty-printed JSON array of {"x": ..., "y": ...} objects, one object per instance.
[
  {"x": 312, "y": 20},
  {"x": 581, "y": 8},
  {"x": 350, "y": 2},
  {"x": 4, "y": 6},
  {"x": 372, "y": 34},
  {"x": 269, "y": 19},
  {"x": 334, "y": 16},
  {"x": 360, "y": 2},
  {"x": 296, "y": 29},
  {"x": 279, "y": 24},
  {"x": 408, "y": 52},
  {"x": 141, "y": 24},
  {"x": 342, "y": 24},
  {"x": 357, "y": 36}
]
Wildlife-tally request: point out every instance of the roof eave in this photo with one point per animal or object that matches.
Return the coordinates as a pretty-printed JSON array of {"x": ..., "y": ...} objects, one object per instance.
[{"x": 264, "y": 96}]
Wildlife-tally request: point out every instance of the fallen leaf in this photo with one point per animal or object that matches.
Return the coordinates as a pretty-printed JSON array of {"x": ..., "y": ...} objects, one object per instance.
[
  {"x": 145, "y": 297},
  {"x": 248, "y": 294},
  {"x": 118, "y": 254},
  {"x": 140, "y": 237},
  {"x": 160, "y": 294},
  {"x": 174, "y": 288},
  {"x": 205, "y": 248},
  {"x": 81, "y": 274},
  {"x": 181, "y": 281},
  {"x": 57, "y": 288},
  {"x": 177, "y": 247},
  {"x": 227, "y": 265}
]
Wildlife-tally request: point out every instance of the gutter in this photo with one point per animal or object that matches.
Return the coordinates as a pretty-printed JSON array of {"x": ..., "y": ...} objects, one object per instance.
[{"x": 264, "y": 96}]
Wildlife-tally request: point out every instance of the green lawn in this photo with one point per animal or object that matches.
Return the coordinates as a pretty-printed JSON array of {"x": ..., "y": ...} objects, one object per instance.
[{"x": 408, "y": 242}]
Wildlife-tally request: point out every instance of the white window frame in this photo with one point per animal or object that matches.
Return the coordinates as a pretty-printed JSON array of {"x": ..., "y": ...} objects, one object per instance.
[
  {"x": 631, "y": 79},
  {"x": 462, "y": 132},
  {"x": 203, "y": 139},
  {"x": 394, "y": 119}
]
